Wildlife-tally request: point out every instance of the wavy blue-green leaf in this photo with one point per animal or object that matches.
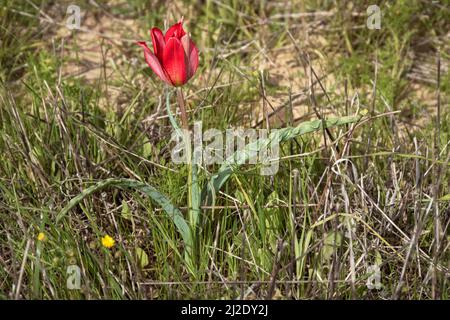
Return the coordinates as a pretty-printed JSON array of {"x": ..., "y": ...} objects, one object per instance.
[
  {"x": 276, "y": 136},
  {"x": 172, "y": 212}
]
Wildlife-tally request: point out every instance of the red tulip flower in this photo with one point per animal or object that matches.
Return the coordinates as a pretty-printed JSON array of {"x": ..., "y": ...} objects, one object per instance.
[{"x": 174, "y": 58}]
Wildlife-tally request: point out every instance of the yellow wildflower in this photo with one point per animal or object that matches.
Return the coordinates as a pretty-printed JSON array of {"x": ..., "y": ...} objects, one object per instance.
[
  {"x": 41, "y": 236},
  {"x": 108, "y": 242}
]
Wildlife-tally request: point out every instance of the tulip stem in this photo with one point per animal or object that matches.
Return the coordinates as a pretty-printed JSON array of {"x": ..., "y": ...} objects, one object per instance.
[
  {"x": 193, "y": 186},
  {"x": 184, "y": 118}
]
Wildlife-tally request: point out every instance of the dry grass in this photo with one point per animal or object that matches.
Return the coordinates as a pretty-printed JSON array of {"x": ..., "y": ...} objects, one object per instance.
[{"x": 79, "y": 107}]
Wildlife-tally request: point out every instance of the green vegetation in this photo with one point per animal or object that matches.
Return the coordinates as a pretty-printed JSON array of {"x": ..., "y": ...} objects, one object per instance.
[{"x": 85, "y": 143}]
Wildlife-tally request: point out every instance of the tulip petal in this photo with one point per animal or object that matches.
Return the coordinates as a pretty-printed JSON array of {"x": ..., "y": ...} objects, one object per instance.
[
  {"x": 153, "y": 62},
  {"x": 158, "y": 42},
  {"x": 174, "y": 62},
  {"x": 176, "y": 31},
  {"x": 191, "y": 52}
]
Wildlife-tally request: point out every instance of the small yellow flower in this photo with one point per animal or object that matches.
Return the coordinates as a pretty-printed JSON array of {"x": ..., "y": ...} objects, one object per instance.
[
  {"x": 41, "y": 236},
  {"x": 108, "y": 242}
]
